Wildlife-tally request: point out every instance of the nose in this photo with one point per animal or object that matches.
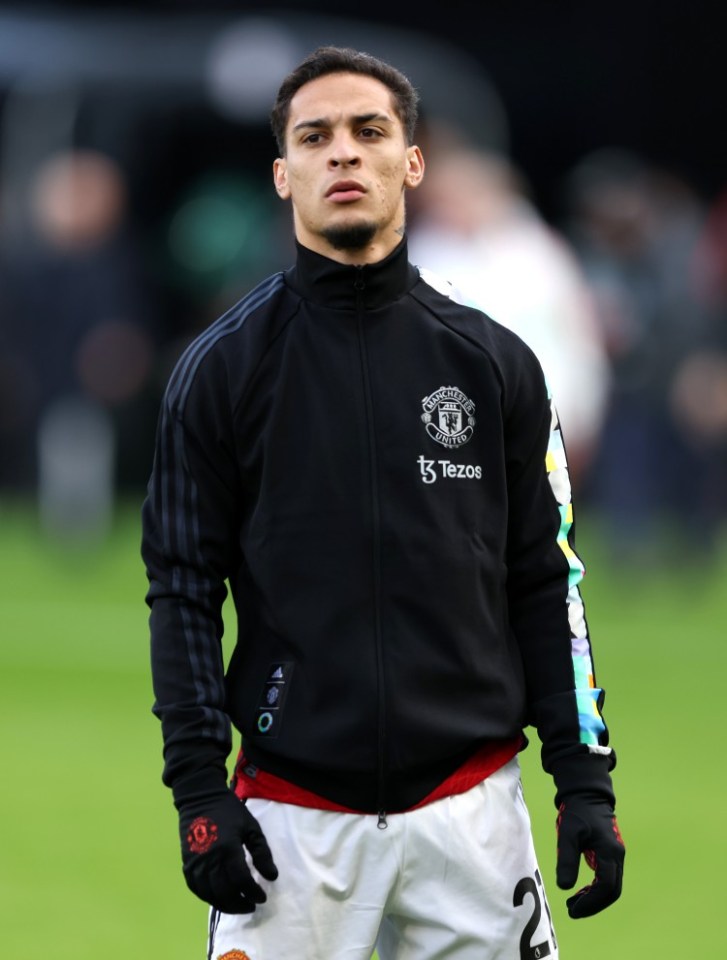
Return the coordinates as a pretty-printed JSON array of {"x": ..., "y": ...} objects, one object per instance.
[{"x": 344, "y": 152}]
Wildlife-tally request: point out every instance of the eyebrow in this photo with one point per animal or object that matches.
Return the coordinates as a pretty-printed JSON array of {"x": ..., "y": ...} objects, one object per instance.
[{"x": 358, "y": 120}]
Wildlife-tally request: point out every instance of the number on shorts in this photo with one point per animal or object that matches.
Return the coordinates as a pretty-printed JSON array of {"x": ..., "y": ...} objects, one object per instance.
[
  {"x": 547, "y": 908},
  {"x": 534, "y": 888}
]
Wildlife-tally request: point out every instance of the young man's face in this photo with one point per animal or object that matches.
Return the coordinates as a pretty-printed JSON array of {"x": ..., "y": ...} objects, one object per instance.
[{"x": 346, "y": 168}]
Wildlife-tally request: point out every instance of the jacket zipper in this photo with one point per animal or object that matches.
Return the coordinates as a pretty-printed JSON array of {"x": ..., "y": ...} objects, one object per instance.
[{"x": 359, "y": 286}]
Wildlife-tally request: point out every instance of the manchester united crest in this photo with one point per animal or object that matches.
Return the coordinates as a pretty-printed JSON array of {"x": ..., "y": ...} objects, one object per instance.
[
  {"x": 201, "y": 834},
  {"x": 449, "y": 416}
]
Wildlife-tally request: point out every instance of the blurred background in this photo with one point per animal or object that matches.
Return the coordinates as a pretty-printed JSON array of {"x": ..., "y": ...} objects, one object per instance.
[{"x": 576, "y": 190}]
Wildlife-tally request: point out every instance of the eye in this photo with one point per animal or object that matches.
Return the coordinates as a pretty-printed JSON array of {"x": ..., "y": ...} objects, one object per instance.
[{"x": 369, "y": 133}]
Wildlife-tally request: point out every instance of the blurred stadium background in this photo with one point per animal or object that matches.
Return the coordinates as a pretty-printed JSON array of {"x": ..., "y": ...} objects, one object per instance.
[{"x": 576, "y": 186}]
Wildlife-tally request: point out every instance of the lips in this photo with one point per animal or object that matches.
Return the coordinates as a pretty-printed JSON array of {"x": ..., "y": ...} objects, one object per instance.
[{"x": 345, "y": 191}]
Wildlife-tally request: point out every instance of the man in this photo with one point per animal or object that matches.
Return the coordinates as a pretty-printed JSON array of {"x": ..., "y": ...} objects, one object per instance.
[{"x": 377, "y": 472}]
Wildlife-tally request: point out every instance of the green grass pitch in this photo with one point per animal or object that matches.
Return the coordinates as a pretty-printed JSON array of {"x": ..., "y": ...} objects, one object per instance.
[{"x": 89, "y": 863}]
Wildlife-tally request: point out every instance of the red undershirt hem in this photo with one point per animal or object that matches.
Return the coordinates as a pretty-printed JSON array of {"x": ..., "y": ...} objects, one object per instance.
[{"x": 266, "y": 786}]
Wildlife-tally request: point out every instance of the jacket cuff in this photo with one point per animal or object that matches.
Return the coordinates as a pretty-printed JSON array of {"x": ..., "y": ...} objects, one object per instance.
[
  {"x": 196, "y": 769},
  {"x": 584, "y": 774},
  {"x": 204, "y": 784}
]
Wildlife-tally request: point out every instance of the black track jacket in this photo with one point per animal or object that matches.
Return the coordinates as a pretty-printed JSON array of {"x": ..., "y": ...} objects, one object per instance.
[{"x": 378, "y": 473}]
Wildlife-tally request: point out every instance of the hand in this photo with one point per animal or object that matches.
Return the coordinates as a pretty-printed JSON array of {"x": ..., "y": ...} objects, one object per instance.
[
  {"x": 215, "y": 830},
  {"x": 588, "y": 826}
]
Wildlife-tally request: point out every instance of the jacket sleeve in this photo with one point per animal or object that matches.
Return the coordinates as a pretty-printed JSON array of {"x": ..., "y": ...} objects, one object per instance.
[
  {"x": 189, "y": 549},
  {"x": 546, "y": 608}
]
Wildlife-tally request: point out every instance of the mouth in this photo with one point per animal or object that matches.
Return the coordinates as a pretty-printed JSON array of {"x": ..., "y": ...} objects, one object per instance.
[{"x": 345, "y": 191}]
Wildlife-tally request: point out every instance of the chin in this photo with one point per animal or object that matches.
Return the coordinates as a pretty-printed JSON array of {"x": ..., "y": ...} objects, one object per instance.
[{"x": 350, "y": 236}]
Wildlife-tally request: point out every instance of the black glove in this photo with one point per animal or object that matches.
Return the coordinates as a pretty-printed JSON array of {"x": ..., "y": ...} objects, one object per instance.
[
  {"x": 588, "y": 825},
  {"x": 215, "y": 827}
]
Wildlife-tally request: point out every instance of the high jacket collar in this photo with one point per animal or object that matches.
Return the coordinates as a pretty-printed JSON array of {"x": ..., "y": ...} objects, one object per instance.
[{"x": 341, "y": 286}]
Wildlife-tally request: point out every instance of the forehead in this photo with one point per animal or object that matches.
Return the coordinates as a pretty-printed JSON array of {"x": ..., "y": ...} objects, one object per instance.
[{"x": 339, "y": 95}]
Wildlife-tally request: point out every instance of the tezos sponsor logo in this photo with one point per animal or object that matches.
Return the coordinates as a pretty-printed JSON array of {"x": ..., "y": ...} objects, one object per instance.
[
  {"x": 433, "y": 470},
  {"x": 449, "y": 416}
]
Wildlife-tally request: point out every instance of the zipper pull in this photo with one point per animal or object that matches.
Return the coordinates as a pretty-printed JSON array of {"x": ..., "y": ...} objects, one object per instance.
[{"x": 382, "y": 824}]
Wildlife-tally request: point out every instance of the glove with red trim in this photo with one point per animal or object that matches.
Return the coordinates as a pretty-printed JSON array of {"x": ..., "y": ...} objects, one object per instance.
[{"x": 587, "y": 825}]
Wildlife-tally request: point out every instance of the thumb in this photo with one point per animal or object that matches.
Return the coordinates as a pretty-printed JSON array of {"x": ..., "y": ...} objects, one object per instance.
[
  {"x": 262, "y": 858},
  {"x": 259, "y": 850}
]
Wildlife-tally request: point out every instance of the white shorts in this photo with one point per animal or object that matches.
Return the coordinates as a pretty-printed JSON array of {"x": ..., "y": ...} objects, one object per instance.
[{"x": 454, "y": 880}]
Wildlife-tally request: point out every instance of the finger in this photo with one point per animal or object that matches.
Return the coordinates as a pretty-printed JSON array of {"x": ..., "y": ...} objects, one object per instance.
[
  {"x": 605, "y": 890},
  {"x": 262, "y": 858},
  {"x": 240, "y": 878},
  {"x": 227, "y": 894},
  {"x": 213, "y": 886}
]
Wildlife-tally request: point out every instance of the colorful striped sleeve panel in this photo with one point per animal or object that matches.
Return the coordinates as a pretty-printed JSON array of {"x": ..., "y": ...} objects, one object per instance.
[{"x": 588, "y": 695}]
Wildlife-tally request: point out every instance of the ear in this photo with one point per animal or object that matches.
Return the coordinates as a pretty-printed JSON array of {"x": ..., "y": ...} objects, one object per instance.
[
  {"x": 415, "y": 168},
  {"x": 280, "y": 178}
]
